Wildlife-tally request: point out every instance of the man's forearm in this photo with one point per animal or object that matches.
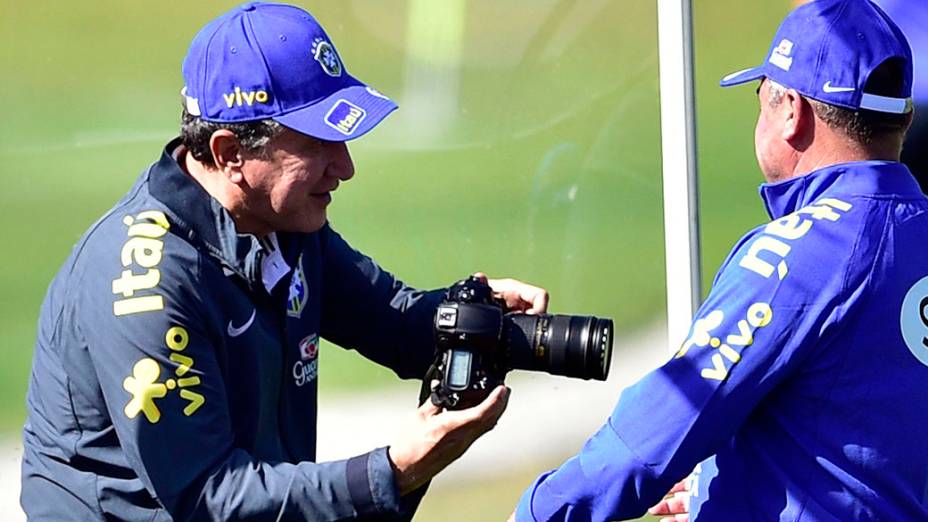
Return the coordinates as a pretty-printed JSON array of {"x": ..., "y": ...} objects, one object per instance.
[
  {"x": 242, "y": 488},
  {"x": 605, "y": 481}
]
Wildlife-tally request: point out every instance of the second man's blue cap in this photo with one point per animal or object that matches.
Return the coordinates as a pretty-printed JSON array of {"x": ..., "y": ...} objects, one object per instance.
[
  {"x": 263, "y": 60},
  {"x": 827, "y": 49}
]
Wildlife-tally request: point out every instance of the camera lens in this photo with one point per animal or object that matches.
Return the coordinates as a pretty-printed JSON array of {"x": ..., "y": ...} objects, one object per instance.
[{"x": 571, "y": 345}]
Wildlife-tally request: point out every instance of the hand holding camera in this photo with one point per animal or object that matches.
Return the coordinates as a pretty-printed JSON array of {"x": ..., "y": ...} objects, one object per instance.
[
  {"x": 437, "y": 438},
  {"x": 516, "y": 295},
  {"x": 479, "y": 340}
]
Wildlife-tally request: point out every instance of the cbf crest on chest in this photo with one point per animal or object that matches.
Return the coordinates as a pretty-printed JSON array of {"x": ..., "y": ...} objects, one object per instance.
[{"x": 299, "y": 290}]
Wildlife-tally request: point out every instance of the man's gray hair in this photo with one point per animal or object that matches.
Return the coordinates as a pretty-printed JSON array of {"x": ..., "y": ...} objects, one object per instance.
[
  {"x": 253, "y": 136},
  {"x": 863, "y": 126},
  {"x": 777, "y": 92}
]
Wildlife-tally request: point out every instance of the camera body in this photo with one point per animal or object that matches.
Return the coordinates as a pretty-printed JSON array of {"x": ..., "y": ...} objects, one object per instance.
[
  {"x": 469, "y": 327},
  {"x": 478, "y": 342}
]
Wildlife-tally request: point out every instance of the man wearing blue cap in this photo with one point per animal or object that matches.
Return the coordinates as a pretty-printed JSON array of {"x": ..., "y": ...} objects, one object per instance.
[
  {"x": 912, "y": 17},
  {"x": 798, "y": 394},
  {"x": 176, "y": 363}
]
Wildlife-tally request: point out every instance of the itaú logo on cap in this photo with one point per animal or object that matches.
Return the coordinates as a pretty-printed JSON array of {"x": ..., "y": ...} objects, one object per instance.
[
  {"x": 345, "y": 117},
  {"x": 238, "y": 97}
]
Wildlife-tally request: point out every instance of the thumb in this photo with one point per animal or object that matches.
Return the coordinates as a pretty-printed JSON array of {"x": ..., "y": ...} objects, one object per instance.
[
  {"x": 539, "y": 303},
  {"x": 487, "y": 412}
]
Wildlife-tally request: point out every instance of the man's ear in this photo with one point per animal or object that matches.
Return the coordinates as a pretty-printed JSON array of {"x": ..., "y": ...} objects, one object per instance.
[
  {"x": 227, "y": 154},
  {"x": 799, "y": 118},
  {"x": 910, "y": 117}
]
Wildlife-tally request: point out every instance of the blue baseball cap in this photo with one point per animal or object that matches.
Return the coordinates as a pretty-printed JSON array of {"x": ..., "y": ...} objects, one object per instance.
[
  {"x": 263, "y": 60},
  {"x": 827, "y": 49}
]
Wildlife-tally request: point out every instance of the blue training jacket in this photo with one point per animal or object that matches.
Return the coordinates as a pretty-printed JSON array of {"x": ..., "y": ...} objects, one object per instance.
[
  {"x": 805, "y": 373},
  {"x": 176, "y": 363}
]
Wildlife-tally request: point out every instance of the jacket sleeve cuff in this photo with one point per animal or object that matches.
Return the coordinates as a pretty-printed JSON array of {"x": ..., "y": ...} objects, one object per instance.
[
  {"x": 524, "y": 511},
  {"x": 372, "y": 484}
]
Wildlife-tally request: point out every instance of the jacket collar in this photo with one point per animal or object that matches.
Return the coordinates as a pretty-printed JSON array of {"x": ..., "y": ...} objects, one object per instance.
[
  {"x": 848, "y": 179},
  {"x": 201, "y": 219}
]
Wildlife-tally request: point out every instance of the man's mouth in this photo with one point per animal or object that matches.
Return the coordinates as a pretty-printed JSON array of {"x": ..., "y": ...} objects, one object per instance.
[{"x": 325, "y": 197}]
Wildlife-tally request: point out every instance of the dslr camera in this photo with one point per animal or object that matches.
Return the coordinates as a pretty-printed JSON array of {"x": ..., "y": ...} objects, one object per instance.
[{"x": 478, "y": 342}]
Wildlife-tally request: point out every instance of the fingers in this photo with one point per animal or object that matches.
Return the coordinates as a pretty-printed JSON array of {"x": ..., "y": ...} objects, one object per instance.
[
  {"x": 683, "y": 485},
  {"x": 439, "y": 437},
  {"x": 520, "y": 296},
  {"x": 428, "y": 409},
  {"x": 661, "y": 508},
  {"x": 494, "y": 405},
  {"x": 539, "y": 302},
  {"x": 676, "y": 504},
  {"x": 481, "y": 276},
  {"x": 495, "y": 402},
  {"x": 669, "y": 506},
  {"x": 485, "y": 414}
]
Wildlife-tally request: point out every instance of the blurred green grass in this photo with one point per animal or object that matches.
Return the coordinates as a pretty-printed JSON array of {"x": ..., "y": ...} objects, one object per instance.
[
  {"x": 498, "y": 493},
  {"x": 547, "y": 166}
]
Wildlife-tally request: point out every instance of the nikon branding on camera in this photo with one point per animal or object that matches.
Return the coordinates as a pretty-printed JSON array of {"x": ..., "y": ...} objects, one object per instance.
[{"x": 478, "y": 342}]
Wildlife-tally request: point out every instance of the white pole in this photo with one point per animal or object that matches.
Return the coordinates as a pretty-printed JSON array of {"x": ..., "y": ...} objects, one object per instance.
[
  {"x": 434, "y": 50},
  {"x": 678, "y": 144}
]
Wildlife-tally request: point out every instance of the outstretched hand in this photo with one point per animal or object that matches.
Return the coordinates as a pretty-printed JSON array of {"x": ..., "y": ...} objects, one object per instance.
[
  {"x": 518, "y": 296},
  {"x": 437, "y": 438}
]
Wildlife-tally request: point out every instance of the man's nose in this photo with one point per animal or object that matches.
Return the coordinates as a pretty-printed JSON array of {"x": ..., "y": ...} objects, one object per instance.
[{"x": 341, "y": 166}]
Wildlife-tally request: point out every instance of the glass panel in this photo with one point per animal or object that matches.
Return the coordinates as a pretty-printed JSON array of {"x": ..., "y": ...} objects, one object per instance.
[{"x": 526, "y": 145}]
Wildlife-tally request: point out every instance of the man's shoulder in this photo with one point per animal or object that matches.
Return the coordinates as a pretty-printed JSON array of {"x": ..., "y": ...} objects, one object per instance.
[
  {"x": 132, "y": 256},
  {"x": 130, "y": 266},
  {"x": 135, "y": 230},
  {"x": 817, "y": 243}
]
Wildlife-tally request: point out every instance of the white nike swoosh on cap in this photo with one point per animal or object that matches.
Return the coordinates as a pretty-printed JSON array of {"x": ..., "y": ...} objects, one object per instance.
[
  {"x": 235, "y": 332},
  {"x": 828, "y": 88}
]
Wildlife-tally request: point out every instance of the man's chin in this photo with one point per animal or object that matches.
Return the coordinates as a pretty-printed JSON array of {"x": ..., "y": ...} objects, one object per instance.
[{"x": 310, "y": 226}]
